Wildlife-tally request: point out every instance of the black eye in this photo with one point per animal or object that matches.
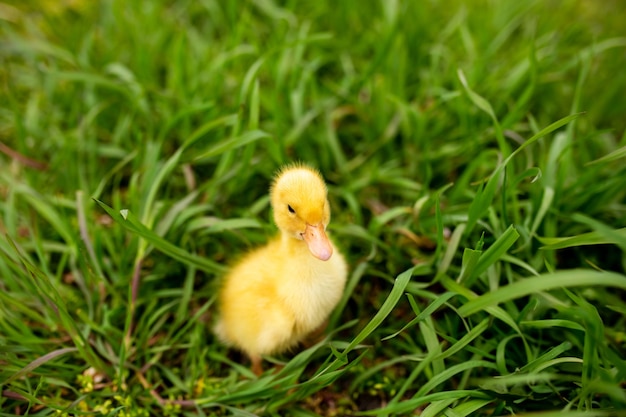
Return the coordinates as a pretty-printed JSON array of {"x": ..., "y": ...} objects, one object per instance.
[{"x": 291, "y": 210}]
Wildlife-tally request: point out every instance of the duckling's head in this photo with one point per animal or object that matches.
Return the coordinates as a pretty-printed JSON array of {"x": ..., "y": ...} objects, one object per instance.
[{"x": 301, "y": 208}]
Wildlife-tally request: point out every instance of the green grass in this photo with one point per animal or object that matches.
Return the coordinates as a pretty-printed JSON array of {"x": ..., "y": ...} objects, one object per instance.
[{"x": 475, "y": 155}]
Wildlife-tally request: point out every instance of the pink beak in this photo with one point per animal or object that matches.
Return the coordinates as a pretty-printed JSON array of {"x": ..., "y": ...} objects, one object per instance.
[{"x": 317, "y": 241}]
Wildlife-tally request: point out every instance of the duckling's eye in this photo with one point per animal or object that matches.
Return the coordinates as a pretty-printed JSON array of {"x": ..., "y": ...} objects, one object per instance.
[{"x": 291, "y": 210}]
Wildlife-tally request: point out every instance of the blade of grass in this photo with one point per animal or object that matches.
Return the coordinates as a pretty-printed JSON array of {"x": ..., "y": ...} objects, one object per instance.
[
  {"x": 38, "y": 362},
  {"x": 392, "y": 299},
  {"x": 494, "y": 253},
  {"x": 233, "y": 143},
  {"x": 544, "y": 282},
  {"x": 129, "y": 222},
  {"x": 485, "y": 197},
  {"x": 607, "y": 232},
  {"x": 590, "y": 238}
]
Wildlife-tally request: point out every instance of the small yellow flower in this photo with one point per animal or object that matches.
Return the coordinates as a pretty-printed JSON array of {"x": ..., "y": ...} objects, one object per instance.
[
  {"x": 104, "y": 408},
  {"x": 199, "y": 387}
]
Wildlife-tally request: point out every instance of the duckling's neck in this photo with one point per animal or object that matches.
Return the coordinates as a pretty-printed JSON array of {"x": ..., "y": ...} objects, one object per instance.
[{"x": 292, "y": 245}]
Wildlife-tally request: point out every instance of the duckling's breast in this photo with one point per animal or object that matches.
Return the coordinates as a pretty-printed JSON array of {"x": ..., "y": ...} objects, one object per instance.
[{"x": 312, "y": 288}]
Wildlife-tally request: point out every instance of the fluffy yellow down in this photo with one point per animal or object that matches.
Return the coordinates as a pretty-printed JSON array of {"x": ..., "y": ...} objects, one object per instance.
[{"x": 279, "y": 293}]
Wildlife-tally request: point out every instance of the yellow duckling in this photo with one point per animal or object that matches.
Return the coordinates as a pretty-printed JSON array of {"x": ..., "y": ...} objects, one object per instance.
[{"x": 279, "y": 293}]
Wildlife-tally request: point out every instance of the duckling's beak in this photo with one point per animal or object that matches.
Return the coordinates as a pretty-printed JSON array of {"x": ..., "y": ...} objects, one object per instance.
[{"x": 317, "y": 241}]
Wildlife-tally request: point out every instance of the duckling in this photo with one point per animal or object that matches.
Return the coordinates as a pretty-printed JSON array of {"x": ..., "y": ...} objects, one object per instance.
[{"x": 281, "y": 292}]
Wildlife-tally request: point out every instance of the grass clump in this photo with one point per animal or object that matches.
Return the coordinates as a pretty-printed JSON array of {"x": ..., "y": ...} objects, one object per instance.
[{"x": 475, "y": 160}]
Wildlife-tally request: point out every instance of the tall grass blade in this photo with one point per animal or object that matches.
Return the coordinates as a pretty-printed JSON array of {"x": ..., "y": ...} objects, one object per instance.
[
  {"x": 544, "y": 282},
  {"x": 131, "y": 223}
]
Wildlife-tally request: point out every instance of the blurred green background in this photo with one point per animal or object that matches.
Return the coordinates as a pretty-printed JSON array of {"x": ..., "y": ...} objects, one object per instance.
[{"x": 477, "y": 145}]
